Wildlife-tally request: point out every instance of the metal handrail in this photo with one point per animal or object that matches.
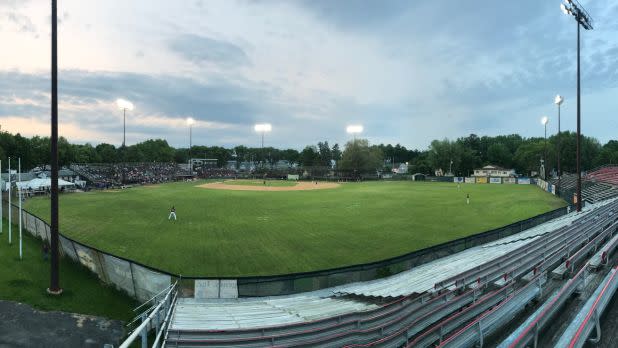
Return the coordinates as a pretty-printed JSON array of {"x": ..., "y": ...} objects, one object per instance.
[
  {"x": 143, "y": 328},
  {"x": 165, "y": 323}
]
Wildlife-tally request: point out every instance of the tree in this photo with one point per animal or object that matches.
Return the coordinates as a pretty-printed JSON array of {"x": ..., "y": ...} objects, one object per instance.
[
  {"x": 309, "y": 157},
  {"x": 107, "y": 153},
  {"x": 359, "y": 157},
  {"x": 325, "y": 154},
  {"x": 336, "y": 152},
  {"x": 498, "y": 153}
]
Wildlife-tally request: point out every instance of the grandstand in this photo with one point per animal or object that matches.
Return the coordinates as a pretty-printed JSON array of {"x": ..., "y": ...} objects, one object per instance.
[
  {"x": 460, "y": 300},
  {"x": 606, "y": 174},
  {"x": 104, "y": 175},
  {"x": 595, "y": 187}
]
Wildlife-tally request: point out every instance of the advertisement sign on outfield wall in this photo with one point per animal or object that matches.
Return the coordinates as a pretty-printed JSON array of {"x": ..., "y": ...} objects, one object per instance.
[
  {"x": 495, "y": 180},
  {"x": 509, "y": 180},
  {"x": 481, "y": 180},
  {"x": 470, "y": 180},
  {"x": 458, "y": 179},
  {"x": 523, "y": 181},
  {"x": 542, "y": 184}
]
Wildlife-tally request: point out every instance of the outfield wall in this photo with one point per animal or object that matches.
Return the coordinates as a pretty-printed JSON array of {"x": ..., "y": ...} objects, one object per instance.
[{"x": 143, "y": 282}]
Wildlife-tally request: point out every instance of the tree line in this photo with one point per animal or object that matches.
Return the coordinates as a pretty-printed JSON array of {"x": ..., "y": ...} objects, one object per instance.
[{"x": 465, "y": 153}]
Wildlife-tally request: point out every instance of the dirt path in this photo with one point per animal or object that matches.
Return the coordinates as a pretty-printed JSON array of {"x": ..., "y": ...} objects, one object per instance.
[
  {"x": 23, "y": 326},
  {"x": 300, "y": 186}
]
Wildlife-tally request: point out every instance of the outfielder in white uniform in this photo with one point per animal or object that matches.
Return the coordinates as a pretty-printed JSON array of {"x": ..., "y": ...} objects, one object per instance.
[{"x": 172, "y": 213}]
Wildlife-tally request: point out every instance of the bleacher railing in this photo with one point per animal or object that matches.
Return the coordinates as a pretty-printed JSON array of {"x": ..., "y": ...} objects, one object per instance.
[{"x": 156, "y": 317}]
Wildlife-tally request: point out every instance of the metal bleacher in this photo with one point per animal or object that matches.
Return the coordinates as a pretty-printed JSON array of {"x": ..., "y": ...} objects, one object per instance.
[
  {"x": 588, "y": 318},
  {"x": 455, "y": 301}
]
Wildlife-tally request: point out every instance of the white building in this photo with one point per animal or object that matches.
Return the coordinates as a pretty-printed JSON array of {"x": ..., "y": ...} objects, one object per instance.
[{"x": 494, "y": 171}]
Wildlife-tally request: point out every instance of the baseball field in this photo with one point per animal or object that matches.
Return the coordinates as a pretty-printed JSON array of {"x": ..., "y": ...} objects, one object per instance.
[{"x": 248, "y": 228}]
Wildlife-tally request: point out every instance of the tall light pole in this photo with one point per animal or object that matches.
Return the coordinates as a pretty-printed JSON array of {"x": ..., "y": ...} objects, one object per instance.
[
  {"x": 354, "y": 129},
  {"x": 575, "y": 9},
  {"x": 558, "y": 101},
  {"x": 124, "y": 105},
  {"x": 262, "y": 128},
  {"x": 20, "y": 208},
  {"x": 190, "y": 123},
  {"x": 54, "y": 283},
  {"x": 544, "y": 121}
]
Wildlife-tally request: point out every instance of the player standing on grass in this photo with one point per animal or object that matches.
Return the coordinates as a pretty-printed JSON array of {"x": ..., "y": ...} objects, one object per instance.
[
  {"x": 172, "y": 214},
  {"x": 467, "y": 198}
]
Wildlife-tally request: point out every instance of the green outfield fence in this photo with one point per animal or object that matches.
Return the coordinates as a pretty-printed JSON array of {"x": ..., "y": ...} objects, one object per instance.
[{"x": 142, "y": 282}]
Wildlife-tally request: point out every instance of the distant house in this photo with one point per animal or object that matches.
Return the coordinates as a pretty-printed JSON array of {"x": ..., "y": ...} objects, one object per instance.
[
  {"x": 282, "y": 164},
  {"x": 495, "y": 171}
]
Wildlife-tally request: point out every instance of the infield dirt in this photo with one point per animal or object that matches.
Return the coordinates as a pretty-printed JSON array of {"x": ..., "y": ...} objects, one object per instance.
[{"x": 300, "y": 186}]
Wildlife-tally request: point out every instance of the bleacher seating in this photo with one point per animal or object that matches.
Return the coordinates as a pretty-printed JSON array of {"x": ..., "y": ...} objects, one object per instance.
[
  {"x": 115, "y": 174},
  {"x": 607, "y": 174}
]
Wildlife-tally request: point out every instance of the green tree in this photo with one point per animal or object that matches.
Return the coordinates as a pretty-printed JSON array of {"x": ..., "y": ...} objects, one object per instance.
[
  {"x": 359, "y": 157},
  {"x": 309, "y": 156}
]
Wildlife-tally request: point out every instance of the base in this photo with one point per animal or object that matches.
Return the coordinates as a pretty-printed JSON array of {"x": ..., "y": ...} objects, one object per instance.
[{"x": 54, "y": 292}]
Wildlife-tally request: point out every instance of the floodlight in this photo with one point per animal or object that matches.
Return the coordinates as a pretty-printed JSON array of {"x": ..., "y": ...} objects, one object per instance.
[
  {"x": 558, "y": 100},
  {"x": 190, "y": 121},
  {"x": 124, "y": 104},
  {"x": 544, "y": 120},
  {"x": 354, "y": 129},
  {"x": 564, "y": 9},
  {"x": 263, "y": 127}
]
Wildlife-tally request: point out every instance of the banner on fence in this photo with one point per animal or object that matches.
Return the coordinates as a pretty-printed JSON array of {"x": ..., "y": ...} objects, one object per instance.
[
  {"x": 542, "y": 184},
  {"x": 458, "y": 179},
  {"x": 495, "y": 180},
  {"x": 481, "y": 180},
  {"x": 523, "y": 181},
  {"x": 509, "y": 180},
  {"x": 470, "y": 180},
  {"x": 293, "y": 176}
]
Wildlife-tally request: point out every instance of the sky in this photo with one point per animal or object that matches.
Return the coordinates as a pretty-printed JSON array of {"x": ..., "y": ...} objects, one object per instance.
[{"x": 409, "y": 71}]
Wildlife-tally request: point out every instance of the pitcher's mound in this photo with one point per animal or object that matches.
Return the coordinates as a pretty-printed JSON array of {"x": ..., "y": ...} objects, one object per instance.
[{"x": 300, "y": 186}]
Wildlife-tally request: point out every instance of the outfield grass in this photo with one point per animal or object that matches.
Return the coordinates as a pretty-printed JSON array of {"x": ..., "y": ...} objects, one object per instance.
[
  {"x": 257, "y": 182},
  {"x": 240, "y": 233},
  {"x": 26, "y": 281}
]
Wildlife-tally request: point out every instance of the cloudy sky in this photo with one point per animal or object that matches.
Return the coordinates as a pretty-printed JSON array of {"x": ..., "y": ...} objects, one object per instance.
[{"x": 409, "y": 71}]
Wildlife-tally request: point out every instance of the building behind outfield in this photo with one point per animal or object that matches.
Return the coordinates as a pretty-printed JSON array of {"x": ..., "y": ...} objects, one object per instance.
[{"x": 495, "y": 171}]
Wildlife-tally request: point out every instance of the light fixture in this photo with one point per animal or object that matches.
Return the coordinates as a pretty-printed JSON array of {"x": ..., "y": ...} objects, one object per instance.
[
  {"x": 354, "y": 129},
  {"x": 124, "y": 104},
  {"x": 544, "y": 120},
  {"x": 558, "y": 100},
  {"x": 263, "y": 127}
]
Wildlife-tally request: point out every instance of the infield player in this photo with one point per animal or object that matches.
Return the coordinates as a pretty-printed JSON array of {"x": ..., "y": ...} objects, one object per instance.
[{"x": 172, "y": 214}]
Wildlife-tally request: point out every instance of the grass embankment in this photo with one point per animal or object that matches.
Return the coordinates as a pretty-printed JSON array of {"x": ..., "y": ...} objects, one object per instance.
[
  {"x": 241, "y": 233},
  {"x": 26, "y": 281}
]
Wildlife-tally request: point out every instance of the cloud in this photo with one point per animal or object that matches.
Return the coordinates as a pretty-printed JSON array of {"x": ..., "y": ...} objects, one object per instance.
[{"x": 201, "y": 49}]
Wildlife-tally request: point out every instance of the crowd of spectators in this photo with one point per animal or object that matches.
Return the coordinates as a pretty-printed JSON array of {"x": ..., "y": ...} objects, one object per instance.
[
  {"x": 212, "y": 173},
  {"x": 109, "y": 175}
]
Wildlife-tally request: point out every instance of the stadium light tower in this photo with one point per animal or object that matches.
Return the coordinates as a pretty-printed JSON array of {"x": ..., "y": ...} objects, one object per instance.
[
  {"x": 354, "y": 129},
  {"x": 124, "y": 105},
  {"x": 583, "y": 19},
  {"x": 262, "y": 128},
  {"x": 544, "y": 122},
  {"x": 558, "y": 101},
  {"x": 190, "y": 123}
]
